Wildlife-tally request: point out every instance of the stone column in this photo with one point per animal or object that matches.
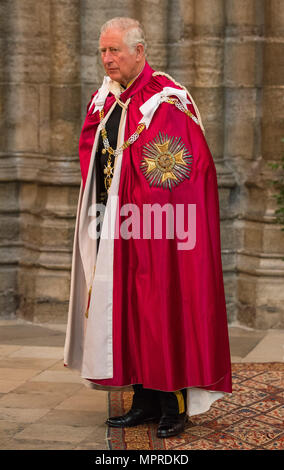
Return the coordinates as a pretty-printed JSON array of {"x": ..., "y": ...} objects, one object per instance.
[
  {"x": 268, "y": 265},
  {"x": 242, "y": 80},
  {"x": 9, "y": 209},
  {"x": 196, "y": 59},
  {"x": 180, "y": 63},
  {"x": 248, "y": 67},
  {"x": 24, "y": 67},
  {"x": 153, "y": 15},
  {"x": 49, "y": 201}
]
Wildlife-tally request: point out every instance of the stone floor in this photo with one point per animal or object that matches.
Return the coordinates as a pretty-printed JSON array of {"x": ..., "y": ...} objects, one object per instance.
[{"x": 46, "y": 406}]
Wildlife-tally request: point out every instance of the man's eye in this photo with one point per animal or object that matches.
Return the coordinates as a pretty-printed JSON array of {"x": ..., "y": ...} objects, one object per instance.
[{"x": 111, "y": 49}]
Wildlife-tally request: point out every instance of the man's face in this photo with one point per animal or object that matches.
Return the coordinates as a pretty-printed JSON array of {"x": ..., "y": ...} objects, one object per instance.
[{"x": 120, "y": 63}]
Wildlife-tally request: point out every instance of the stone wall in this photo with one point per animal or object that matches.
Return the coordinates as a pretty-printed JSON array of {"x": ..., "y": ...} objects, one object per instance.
[{"x": 229, "y": 53}]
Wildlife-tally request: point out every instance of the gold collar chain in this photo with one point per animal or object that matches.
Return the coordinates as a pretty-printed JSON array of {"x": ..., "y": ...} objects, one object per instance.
[{"x": 109, "y": 168}]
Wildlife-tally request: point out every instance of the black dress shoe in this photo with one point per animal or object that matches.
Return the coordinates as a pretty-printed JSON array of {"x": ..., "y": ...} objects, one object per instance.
[
  {"x": 171, "y": 425},
  {"x": 134, "y": 417}
]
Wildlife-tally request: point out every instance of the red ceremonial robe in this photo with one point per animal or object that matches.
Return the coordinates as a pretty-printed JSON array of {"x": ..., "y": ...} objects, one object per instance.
[{"x": 169, "y": 321}]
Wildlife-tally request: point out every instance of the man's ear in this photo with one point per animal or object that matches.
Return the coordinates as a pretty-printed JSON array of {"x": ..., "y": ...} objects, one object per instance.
[{"x": 139, "y": 51}]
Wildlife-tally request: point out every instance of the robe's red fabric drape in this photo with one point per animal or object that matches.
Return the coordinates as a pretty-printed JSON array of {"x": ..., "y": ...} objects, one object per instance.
[{"x": 169, "y": 311}]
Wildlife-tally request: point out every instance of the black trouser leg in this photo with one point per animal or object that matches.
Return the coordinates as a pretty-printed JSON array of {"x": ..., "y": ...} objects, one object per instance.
[
  {"x": 173, "y": 406},
  {"x": 170, "y": 403},
  {"x": 145, "y": 408},
  {"x": 173, "y": 403},
  {"x": 145, "y": 398}
]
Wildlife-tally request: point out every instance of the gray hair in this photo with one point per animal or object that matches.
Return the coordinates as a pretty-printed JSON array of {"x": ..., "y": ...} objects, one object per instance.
[{"x": 134, "y": 33}]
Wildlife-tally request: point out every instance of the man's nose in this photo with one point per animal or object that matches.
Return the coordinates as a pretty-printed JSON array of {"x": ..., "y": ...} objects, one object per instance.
[{"x": 107, "y": 57}]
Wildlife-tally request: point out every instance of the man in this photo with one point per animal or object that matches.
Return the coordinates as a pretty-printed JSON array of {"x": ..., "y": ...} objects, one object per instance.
[{"x": 147, "y": 304}]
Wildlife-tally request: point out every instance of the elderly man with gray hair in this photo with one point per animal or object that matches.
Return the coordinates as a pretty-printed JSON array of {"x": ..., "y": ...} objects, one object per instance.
[{"x": 147, "y": 305}]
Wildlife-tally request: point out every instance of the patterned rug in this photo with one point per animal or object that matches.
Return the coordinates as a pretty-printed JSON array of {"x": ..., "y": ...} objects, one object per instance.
[{"x": 250, "y": 418}]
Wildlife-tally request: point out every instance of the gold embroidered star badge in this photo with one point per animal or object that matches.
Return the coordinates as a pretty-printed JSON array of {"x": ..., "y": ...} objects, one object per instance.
[{"x": 166, "y": 162}]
